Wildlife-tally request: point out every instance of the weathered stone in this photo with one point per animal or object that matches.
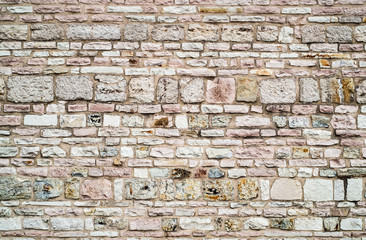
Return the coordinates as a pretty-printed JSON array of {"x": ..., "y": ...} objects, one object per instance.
[
  {"x": 248, "y": 189},
  {"x": 10, "y": 224},
  {"x": 267, "y": 33},
  {"x": 169, "y": 224},
  {"x": 318, "y": 190},
  {"x": 320, "y": 121},
  {"x": 242, "y": 33},
  {"x": 47, "y": 32},
  {"x": 8, "y": 152},
  {"x": 141, "y": 189},
  {"x": 360, "y": 33},
  {"x": 72, "y": 120},
  {"x": 282, "y": 223},
  {"x": 93, "y": 32},
  {"x": 256, "y": 223},
  {"x": 220, "y": 121},
  {"x": 136, "y": 31},
  {"x": 167, "y": 33},
  {"x": 361, "y": 92},
  {"x": 12, "y": 188},
  {"x": 195, "y": 223},
  {"x": 189, "y": 152},
  {"x": 215, "y": 173},
  {"x": 191, "y": 90},
  {"x": 219, "y": 190},
  {"x": 350, "y": 224},
  {"x": 188, "y": 189},
  {"x": 309, "y": 90},
  {"x": 166, "y": 188},
  {"x": 247, "y": 90},
  {"x": 108, "y": 152},
  {"x": 339, "y": 34},
  {"x": 219, "y": 153},
  {"x": 67, "y": 224},
  {"x": 25, "y": 89},
  {"x": 277, "y": 91},
  {"x": 53, "y": 152},
  {"x": 206, "y": 32},
  {"x": 198, "y": 121},
  {"x": 47, "y": 188},
  {"x": 337, "y": 90},
  {"x": 94, "y": 119},
  {"x": 286, "y": 189},
  {"x": 280, "y": 121},
  {"x": 343, "y": 122},
  {"x": 254, "y": 152},
  {"x": 35, "y": 223},
  {"x": 349, "y": 152},
  {"x": 220, "y": 90},
  {"x": 142, "y": 89},
  {"x": 103, "y": 223},
  {"x": 167, "y": 90},
  {"x": 233, "y": 225},
  {"x": 331, "y": 224},
  {"x": 180, "y": 173},
  {"x": 13, "y": 32},
  {"x": 96, "y": 189},
  {"x": 116, "y": 92},
  {"x": 313, "y": 34},
  {"x": 74, "y": 87},
  {"x": 72, "y": 187},
  {"x": 351, "y": 172}
]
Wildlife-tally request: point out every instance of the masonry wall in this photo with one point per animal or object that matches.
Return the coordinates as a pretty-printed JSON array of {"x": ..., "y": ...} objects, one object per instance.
[{"x": 182, "y": 119}]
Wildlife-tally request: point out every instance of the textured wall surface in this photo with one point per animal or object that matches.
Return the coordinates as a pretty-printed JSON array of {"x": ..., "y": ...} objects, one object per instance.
[{"x": 182, "y": 119}]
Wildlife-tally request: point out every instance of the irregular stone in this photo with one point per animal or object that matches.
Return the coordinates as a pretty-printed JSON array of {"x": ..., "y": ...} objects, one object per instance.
[
  {"x": 198, "y": 121},
  {"x": 280, "y": 121},
  {"x": 8, "y": 152},
  {"x": 343, "y": 122},
  {"x": 252, "y": 121},
  {"x": 233, "y": 225},
  {"x": 219, "y": 153},
  {"x": 53, "y": 152},
  {"x": 361, "y": 92},
  {"x": 206, "y": 32},
  {"x": 331, "y": 224},
  {"x": 72, "y": 121},
  {"x": 12, "y": 188},
  {"x": 349, "y": 152},
  {"x": 10, "y": 224},
  {"x": 136, "y": 31},
  {"x": 309, "y": 90},
  {"x": 115, "y": 92},
  {"x": 282, "y": 223},
  {"x": 286, "y": 189},
  {"x": 309, "y": 224},
  {"x": 234, "y": 33},
  {"x": 67, "y": 224},
  {"x": 167, "y": 32},
  {"x": 188, "y": 189},
  {"x": 47, "y": 32},
  {"x": 169, "y": 224},
  {"x": 191, "y": 90},
  {"x": 318, "y": 190},
  {"x": 313, "y": 34},
  {"x": 277, "y": 91},
  {"x": 180, "y": 173},
  {"x": 220, "y": 121},
  {"x": 93, "y": 32},
  {"x": 247, "y": 90},
  {"x": 47, "y": 188},
  {"x": 108, "y": 152},
  {"x": 25, "y": 89},
  {"x": 254, "y": 152},
  {"x": 215, "y": 173},
  {"x": 72, "y": 187},
  {"x": 219, "y": 190},
  {"x": 96, "y": 189},
  {"x": 167, "y": 90},
  {"x": 35, "y": 223},
  {"x": 267, "y": 33},
  {"x": 339, "y": 34},
  {"x": 256, "y": 223},
  {"x": 74, "y": 87},
  {"x": 337, "y": 90},
  {"x": 189, "y": 152},
  {"x": 141, "y": 189},
  {"x": 166, "y": 189},
  {"x": 320, "y": 121},
  {"x": 94, "y": 119},
  {"x": 220, "y": 90},
  {"x": 142, "y": 89},
  {"x": 248, "y": 189},
  {"x": 13, "y": 32},
  {"x": 102, "y": 223},
  {"x": 360, "y": 33}
]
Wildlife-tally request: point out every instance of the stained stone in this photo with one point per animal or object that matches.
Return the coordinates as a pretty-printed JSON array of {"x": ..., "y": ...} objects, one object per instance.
[
  {"x": 141, "y": 151},
  {"x": 180, "y": 173},
  {"x": 320, "y": 121},
  {"x": 111, "y": 92},
  {"x": 96, "y": 189},
  {"x": 5, "y": 212},
  {"x": 206, "y": 32},
  {"x": 26, "y": 89},
  {"x": 15, "y": 188},
  {"x": 74, "y": 87},
  {"x": 198, "y": 121},
  {"x": 237, "y": 33},
  {"x": 233, "y": 225},
  {"x": 141, "y": 189},
  {"x": 47, "y": 188},
  {"x": 94, "y": 119},
  {"x": 337, "y": 90},
  {"x": 216, "y": 173},
  {"x": 169, "y": 224},
  {"x": 361, "y": 92},
  {"x": 267, "y": 33},
  {"x": 219, "y": 190},
  {"x": 248, "y": 188},
  {"x": 220, "y": 90},
  {"x": 247, "y": 90},
  {"x": 351, "y": 172},
  {"x": 220, "y": 121},
  {"x": 188, "y": 189},
  {"x": 282, "y": 223},
  {"x": 166, "y": 188},
  {"x": 191, "y": 90},
  {"x": 142, "y": 89},
  {"x": 167, "y": 33},
  {"x": 72, "y": 187},
  {"x": 108, "y": 152},
  {"x": 167, "y": 90},
  {"x": 331, "y": 224},
  {"x": 280, "y": 121},
  {"x": 102, "y": 223},
  {"x": 349, "y": 152}
]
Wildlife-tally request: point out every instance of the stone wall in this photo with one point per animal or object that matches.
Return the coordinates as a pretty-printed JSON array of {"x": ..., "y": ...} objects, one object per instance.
[{"x": 182, "y": 119}]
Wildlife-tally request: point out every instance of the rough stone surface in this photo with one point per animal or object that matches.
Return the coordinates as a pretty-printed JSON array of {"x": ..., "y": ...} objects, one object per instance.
[
  {"x": 13, "y": 32},
  {"x": 247, "y": 90},
  {"x": 167, "y": 33},
  {"x": 136, "y": 31},
  {"x": 218, "y": 190},
  {"x": 25, "y": 89},
  {"x": 318, "y": 190},
  {"x": 142, "y": 90},
  {"x": 46, "y": 32},
  {"x": 286, "y": 189},
  {"x": 221, "y": 90},
  {"x": 12, "y": 188},
  {"x": 96, "y": 189},
  {"x": 141, "y": 189},
  {"x": 93, "y": 32},
  {"x": 191, "y": 90},
  {"x": 47, "y": 188},
  {"x": 309, "y": 90},
  {"x": 234, "y": 33},
  {"x": 74, "y": 87},
  {"x": 277, "y": 91},
  {"x": 197, "y": 32},
  {"x": 167, "y": 90},
  {"x": 248, "y": 189}
]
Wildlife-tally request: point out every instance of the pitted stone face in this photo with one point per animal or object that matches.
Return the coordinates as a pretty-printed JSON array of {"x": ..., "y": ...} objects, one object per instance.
[
  {"x": 141, "y": 189},
  {"x": 12, "y": 188},
  {"x": 47, "y": 188}
]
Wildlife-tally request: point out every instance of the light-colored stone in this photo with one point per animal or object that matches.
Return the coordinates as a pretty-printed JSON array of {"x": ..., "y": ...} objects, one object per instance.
[
  {"x": 142, "y": 89},
  {"x": 318, "y": 190},
  {"x": 286, "y": 189},
  {"x": 277, "y": 91}
]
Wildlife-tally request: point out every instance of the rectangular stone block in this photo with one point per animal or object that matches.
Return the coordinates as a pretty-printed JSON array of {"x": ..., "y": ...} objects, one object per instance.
[
  {"x": 93, "y": 32},
  {"x": 13, "y": 32}
]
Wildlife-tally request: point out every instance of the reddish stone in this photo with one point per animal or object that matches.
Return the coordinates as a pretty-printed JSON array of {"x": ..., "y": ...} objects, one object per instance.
[
  {"x": 96, "y": 189},
  {"x": 221, "y": 90}
]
